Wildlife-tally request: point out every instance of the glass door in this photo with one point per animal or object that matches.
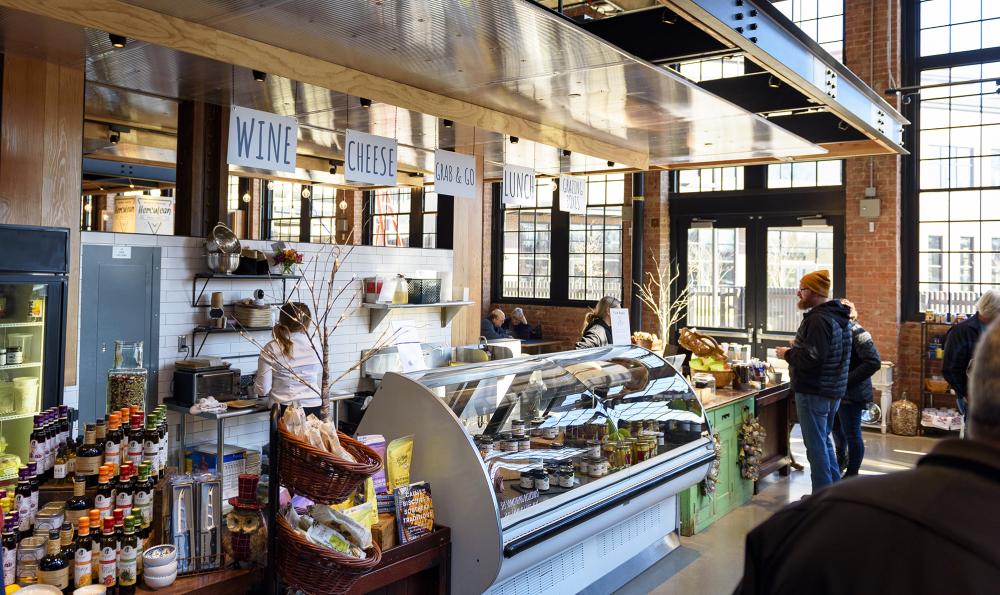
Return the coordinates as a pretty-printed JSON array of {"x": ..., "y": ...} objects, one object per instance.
[
  {"x": 716, "y": 274},
  {"x": 23, "y": 307}
]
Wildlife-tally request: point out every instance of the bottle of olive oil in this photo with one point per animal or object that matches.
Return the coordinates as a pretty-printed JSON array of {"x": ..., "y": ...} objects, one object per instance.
[{"x": 53, "y": 568}]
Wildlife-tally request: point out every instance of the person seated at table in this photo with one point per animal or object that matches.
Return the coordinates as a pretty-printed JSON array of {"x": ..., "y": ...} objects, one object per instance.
[
  {"x": 492, "y": 327},
  {"x": 517, "y": 325},
  {"x": 597, "y": 324}
]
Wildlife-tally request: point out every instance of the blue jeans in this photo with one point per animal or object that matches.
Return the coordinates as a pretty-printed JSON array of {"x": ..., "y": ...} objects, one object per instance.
[
  {"x": 816, "y": 415},
  {"x": 850, "y": 426}
]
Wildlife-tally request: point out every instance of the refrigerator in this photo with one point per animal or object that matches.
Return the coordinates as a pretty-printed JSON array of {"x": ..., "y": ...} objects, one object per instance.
[{"x": 34, "y": 264}]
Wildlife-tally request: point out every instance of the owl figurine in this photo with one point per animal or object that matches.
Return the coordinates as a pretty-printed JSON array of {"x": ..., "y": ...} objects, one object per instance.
[{"x": 245, "y": 538}]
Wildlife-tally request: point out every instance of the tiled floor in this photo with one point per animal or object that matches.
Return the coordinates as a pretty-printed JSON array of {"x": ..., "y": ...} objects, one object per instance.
[{"x": 711, "y": 563}]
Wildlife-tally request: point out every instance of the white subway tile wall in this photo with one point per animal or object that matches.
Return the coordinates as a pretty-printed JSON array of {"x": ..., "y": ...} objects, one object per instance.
[{"x": 182, "y": 257}]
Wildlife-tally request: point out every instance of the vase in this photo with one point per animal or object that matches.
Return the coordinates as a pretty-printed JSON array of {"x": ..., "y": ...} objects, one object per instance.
[{"x": 286, "y": 268}]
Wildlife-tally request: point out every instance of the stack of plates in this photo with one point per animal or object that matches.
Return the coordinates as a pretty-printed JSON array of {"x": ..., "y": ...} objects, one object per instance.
[{"x": 252, "y": 316}]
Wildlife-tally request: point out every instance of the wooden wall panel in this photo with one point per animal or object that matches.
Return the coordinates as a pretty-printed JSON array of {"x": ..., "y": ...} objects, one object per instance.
[
  {"x": 41, "y": 152},
  {"x": 468, "y": 249}
]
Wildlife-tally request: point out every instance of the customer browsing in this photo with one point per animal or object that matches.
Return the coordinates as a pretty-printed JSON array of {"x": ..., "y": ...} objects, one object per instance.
[
  {"x": 865, "y": 361},
  {"x": 819, "y": 360},
  {"x": 960, "y": 343}
]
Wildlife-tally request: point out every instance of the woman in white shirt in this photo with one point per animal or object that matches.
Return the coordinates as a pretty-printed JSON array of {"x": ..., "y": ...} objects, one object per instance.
[{"x": 291, "y": 351}]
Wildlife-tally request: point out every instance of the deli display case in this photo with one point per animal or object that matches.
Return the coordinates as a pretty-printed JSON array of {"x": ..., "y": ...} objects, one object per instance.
[{"x": 558, "y": 471}]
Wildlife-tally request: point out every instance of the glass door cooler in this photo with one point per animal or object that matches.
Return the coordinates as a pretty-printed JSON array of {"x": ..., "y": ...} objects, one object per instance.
[
  {"x": 33, "y": 268},
  {"x": 556, "y": 473}
]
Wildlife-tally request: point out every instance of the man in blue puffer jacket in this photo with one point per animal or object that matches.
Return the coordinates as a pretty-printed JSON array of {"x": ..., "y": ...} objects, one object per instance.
[{"x": 819, "y": 359}]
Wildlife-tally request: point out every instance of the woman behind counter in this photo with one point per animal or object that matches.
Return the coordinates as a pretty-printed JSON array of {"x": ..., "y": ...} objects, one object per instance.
[
  {"x": 290, "y": 348},
  {"x": 597, "y": 324}
]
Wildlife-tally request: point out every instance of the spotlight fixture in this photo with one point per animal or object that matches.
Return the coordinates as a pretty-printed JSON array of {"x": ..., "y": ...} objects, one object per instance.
[
  {"x": 246, "y": 197},
  {"x": 306, "y": 193},
  {"x": 333, "y": 170},
  {"x": 773, "y": 82},
  {"x": 114, "y": 137},
  {"x": 365, "y": 103},
  {"x": 668, "y": 18},
  {"x": 513, "y": 140},
  {"x": 611, "y": 163},
  {"x": 131, "y": 184},
  {"x": 259, "y": 75},
  {"x": 448, "y": 123},
  {"x": 416, "y": 174},
  {"x": 117, "y": 41},
  {"x": 566, "y": 152}
]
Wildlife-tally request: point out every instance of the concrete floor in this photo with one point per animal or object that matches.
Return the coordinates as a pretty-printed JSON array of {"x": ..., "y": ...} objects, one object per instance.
[{"x": 711, "y": 562}]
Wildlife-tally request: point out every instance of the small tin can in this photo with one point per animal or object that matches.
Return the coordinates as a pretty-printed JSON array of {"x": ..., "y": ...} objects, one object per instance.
[{"x": 29, "y": 552}]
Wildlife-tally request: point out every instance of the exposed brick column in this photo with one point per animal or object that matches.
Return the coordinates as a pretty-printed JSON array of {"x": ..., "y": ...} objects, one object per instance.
[
  {"x": 873, "y": 256},
  {"x": 656, "y": 234}
]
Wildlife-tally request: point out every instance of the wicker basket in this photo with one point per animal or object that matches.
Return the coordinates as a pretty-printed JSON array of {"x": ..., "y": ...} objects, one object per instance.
[
  {"x": 252, "y": 316},
  {"x": 317, "y": 474},
  {"x": 723, "y": 379},
  {"x": 699, "y": 344},
  {"x": 314, "y": 569},
  {"x": 936, "y": 385}
]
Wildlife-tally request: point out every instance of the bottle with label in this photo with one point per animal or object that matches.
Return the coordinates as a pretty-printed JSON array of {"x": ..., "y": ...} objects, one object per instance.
[
  {"x": 64, "y": 425},
  {"x": 109, "y": 555},
  {"x": 96, "y": 521},
  {"x": 88, "y": 457},
  {"x": 78, "y": 505},
  {"x": 128, "y": 560},
  {"x": 53, "y": 568},
  {"x": 71, "y": 447},
  {"x": 51, "y": 443},
  {"x": 66, "y": 547},
  {"x": 100, "y": 436},
  {"x": 83, "y": 570},
  {"x": 143, "y": 498},
  {"x": 103, "y": 500},
  {"x": 113, "y": 441},
  {"x": 36, "y": 442},
  {"x": 59, "y": 476},
  {"x": 126, "y": 418},
  {"x": 9, "y": 541},
  {"x": 22, "y": 502},
  {"x": 164, "y": 442},
  {"x": 34, "y": 484},
  {"x": 112, "y": 481},
  {"x": 135, "y": 439},
  {"x": 141, "y": 537},
  {"x": 125, "y": 489},
  {"x": 150, "y": 444}
]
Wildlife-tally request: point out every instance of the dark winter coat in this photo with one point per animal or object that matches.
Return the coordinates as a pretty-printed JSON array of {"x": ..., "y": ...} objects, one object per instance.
[
  {"x": 820, "y": 356},
  {"x": 888, "y": 534},
  {"x": 959, "y": 345},
  {"x": 597, "y": 334},
  {"x": 865, "y": 361}
]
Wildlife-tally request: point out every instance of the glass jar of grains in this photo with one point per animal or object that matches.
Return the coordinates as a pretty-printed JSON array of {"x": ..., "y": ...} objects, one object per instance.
[{"x": 127, "y": 380}]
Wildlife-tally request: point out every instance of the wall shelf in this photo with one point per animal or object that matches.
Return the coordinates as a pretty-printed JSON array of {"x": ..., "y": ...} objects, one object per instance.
[
  {"x": 378, "y": 312},
  {"x": 21, "y": 366},
  {"x": 196, "y": 293},
  {"x": 20, "y": 324},
  {"x": 211, "y": 330}
]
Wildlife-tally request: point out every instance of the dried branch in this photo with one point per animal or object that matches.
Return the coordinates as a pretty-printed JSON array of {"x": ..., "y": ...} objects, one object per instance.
[{"x": 655, "y": 294}]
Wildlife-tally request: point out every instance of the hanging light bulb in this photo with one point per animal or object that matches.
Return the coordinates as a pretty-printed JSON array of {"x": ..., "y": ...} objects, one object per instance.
[
  {"x": 88, "y": 207},
  {"x": 306, "y": 193},
  {"x": 342, "y": 205},
  {"x": 270, "y": 185},
  {"x": 246, "y": 197}
]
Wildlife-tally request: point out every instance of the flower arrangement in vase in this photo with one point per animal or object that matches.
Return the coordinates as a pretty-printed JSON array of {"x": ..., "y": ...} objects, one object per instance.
[{"x": 287, "y": 259}]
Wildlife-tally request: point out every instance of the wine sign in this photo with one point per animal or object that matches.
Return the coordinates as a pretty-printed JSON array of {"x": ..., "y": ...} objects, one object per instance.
[
  {"x": 262, "y": 140},
  {"x": 370, "y": 159}
]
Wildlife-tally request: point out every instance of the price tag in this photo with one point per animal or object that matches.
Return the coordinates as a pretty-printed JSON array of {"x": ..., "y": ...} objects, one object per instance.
[
  {"x": 621, "y": 331},
  {"x": 121, "y": 252}
]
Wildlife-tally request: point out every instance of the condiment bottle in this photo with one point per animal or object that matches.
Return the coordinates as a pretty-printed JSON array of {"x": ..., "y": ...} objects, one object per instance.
[
  {"x": 127, "y": 561},
  {"x": 108, "y": 571},
  {"x": 113, "y": 442},
  {"x": 83, "y": 570},
  {"x": 53, "y": 568}
]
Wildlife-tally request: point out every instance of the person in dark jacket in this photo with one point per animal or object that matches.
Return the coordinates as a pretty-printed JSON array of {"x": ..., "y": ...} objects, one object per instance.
[
  {"x": 492, "y": 327},
  {"x": 819, "y": 360},
  {"x": 597, "y": 324},
  {"x": 960, "y": 343},
  {"x": 517, "y": 325},
  {"x": 865, "y": 361},
  {"x": 886, "y": 534}
]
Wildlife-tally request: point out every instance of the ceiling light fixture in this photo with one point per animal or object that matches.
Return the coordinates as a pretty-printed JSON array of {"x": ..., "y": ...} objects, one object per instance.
[
  {"x": 448, "y": 123},
  {"x": 333, "y": 170},
  {"x": 306, "y": 193},
  {"x": 566, "y": 152},
  {"x": 668, "y": 18},
  {"x": 117, "y": 41},
  {"x": 611, "y": 163},
  {"x": 259, "y": 75},
  {"x": 773, "y": 82},
  {"x": 131, "y": 184},
  {"x": 365, "y": 103},
  {"x": 342, "y": 204},
  {"x": 513, "y": 140},
  {"x": 416, "y": 174},
  {"x": 114, "y": 137}
]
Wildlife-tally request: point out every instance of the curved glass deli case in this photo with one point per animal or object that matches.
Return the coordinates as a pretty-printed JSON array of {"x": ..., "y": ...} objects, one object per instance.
[{"x": 554, "y": 472}]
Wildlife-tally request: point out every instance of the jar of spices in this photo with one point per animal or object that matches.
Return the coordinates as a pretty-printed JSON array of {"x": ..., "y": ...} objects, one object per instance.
[
  {"x": 565, "y": 479},
  {"x": 523, "y": 443},
  {"x": 528, "y": 479},
  {"x": 541, "y": 480},
  {"x": 517, "y": 428},
  {"x": 127, "y": 380},
  {"x": 14, "y": 356},
  {"x": 594, "y": 448}
]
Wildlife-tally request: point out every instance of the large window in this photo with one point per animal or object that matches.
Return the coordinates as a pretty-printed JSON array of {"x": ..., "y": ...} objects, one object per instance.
[
  {"x": 958, "y": 25},
  {"x": 390, "y": 216},
  {"x": 527, "y": 246},
  {"x": 710, "y": 179},
  {"x": 286, "y": 211},
  {"x": 805, "y": 174},
  {"x": 323, "y": 214},
  {"x": 822, "y": 21},
  {"x": 429, "y": 209},
  {"x": 595, "y": 241}
]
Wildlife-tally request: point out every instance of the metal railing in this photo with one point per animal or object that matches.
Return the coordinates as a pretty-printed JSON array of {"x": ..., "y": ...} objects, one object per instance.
[{"x": 949, "y": 301}]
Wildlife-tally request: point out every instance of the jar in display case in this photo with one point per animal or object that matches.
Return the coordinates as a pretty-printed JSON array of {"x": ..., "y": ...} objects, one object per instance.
[
  {"x": 14, "y": 356},
  {"x": 127, "y": 380}
]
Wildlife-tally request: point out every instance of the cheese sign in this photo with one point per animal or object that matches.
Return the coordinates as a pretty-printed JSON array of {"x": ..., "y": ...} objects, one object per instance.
[
  {"x": 518, "y": 185},
  {"x": 262, "y": 140},
  {"x": 454, "y": 174},
  {"x": 572, "y": 194},
  {"x": 370, "y": 159}
]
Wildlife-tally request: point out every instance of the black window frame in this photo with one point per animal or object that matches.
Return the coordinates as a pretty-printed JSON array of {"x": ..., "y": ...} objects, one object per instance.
[
  {"x": 444, "y": 219},
  {"x": 912, "y": 66}
]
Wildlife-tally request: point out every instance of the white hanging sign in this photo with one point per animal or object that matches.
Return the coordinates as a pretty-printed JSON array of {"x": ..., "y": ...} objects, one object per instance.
[
  {"x": 370, "y": 159},
  {"x": 621, "y": 330},
  {"x": 262, "y": 140},
  {"x": 573, "y": 194},
  {"x": 454, "y": 174},
  {"x": 518, "y": 185}
]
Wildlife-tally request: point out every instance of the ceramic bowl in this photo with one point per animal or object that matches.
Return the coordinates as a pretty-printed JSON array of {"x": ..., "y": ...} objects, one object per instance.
[
  {"x": 91, "y": 590},
  {"x": 159, "y": 555},
  {"x": 40, "y": 590},
  {"x": 160, "y": 571},
  {"x": 161, "y": 582}
]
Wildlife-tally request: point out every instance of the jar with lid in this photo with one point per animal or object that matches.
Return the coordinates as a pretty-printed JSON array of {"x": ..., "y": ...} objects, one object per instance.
[
  {"x": 583, "y": 464},
  {"x": 14, "y": 356},
  {"x": 527, "y": 479},
  {"x": 594, "y": 448},
  {"x": 506, "y": 443},
  {"x": 485, "y": 445},
  {"x": 550, "y": 433},
  {"x": 541, "y": 480},
  {"x": 565, "y": 479},
  {"x": 127, "y": 380},
  {"x": 524, "y": 443},
  {"x": 633, "y": 446},
  {"x": 565, "y": 467},
  {"x": 517, "y": 428}
]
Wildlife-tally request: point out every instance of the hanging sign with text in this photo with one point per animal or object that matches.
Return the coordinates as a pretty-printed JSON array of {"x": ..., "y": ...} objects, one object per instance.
[
  {"x": 573, "y": 194},
  {"x": 454, "y": 174},
  {"x": 262, "y": 140},
  {"x": 370, "y": 159},
  {"x": 518, "y": 185}
]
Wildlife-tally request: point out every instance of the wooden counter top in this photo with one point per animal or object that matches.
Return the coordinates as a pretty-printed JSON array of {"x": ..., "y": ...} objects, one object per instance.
[
  {"x": 224, "y": 582},
  {"x": 725, "y": 396}
]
